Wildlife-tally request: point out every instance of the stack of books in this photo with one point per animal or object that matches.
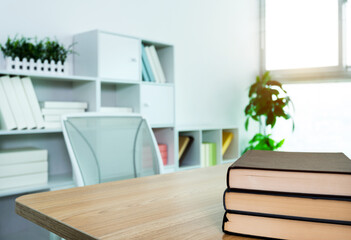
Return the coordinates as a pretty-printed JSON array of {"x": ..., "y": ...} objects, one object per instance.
[
  {"x": 151, "y": 66},
  {"x": 23, "y": 167},
  {"x": 164, "y": 153},
  {"x": 52, "y": 111},
  {"x": 208, "y": 154},
  {"x": 19, "y": 107},
  {"x": 289, "y": 195}
]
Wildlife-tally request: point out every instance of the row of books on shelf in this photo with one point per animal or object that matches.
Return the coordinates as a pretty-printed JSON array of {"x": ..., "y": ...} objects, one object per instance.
[
  {"x": 20, "y": 109},
  {"x": 208, "y": 156},
  {"x": 286, "y": 195},
  {"x": 151, "y": 66},
  {"x": 23, "y": 167}
]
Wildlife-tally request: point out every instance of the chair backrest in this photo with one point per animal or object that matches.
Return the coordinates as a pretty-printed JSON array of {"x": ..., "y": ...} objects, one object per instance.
[{"x": 105, "y": 148}]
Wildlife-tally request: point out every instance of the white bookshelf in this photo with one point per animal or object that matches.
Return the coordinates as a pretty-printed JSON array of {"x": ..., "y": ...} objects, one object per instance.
[{"x": 99, "y": 82}]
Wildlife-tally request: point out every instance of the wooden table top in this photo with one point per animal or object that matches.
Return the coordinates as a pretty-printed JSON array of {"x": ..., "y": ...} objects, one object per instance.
[{"x": 181, "y": 205}]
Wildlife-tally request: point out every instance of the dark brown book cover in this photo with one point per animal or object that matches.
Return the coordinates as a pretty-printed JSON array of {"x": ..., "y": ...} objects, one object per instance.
[{"x": 294, "y": 161}]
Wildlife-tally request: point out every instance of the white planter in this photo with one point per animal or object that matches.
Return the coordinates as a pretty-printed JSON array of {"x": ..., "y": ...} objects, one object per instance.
[{"x": 31, "y": 66}]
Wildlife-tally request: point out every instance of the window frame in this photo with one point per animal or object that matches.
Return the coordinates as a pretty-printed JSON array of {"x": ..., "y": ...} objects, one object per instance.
[{"x": 341, "y": 72}]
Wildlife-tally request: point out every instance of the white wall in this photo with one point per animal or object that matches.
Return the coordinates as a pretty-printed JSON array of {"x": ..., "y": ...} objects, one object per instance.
[{"x": 216, "y": 43}]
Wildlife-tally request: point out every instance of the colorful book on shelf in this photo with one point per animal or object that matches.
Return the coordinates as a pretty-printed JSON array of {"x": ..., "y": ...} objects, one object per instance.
[
  {"x": 156, "y": 60},
  {"x": 208, "y": 154},
  {"x": 184, "y": 146},
  {"x": 144, "y": 73},
  {"x": 282, "y": 228},
  {"x": 147, "y": 64},
  {"x": 164, "y": 153},
  {"x": 13, "y": 101},
  {"x": 33, "y": 101},
  {"x": 7, "y": 120},
  {"x": 64, "y": 105},
  {"x": 23, "y": 103},
  {"x": 227, "y": 138},
  {"x": 298, "y": 172}
]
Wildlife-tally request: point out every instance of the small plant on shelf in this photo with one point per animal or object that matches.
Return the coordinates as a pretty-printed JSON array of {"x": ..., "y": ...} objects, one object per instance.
[
  {"x": 31, "y": 55},
  {"x": 268, "y": 102}
]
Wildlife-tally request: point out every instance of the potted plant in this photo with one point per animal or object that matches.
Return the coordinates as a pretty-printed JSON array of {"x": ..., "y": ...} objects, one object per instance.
[
  {"x": 30, "y": 55},
  {"x": 268, "y": 101}
]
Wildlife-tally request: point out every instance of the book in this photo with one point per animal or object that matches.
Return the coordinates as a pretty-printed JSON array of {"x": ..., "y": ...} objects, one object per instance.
[
  {"x": 7, "y": 120},
  {"x": 184, "y": 145},
  {"x": 13, "y": 101},
  {"x": 116, "y": 109},
  {"x": 296, "y": 172},
  {"x": 60, "y": 111},
  {"x": 164, "y": 153},
  {"x": 204, "y": 155},
  {"x": 280, "y": 228},
  {"x": 145, "y": 77},
  {"x": 227, "y": 138},
  {"x": 22, "y": 155},
  {"x": 23, "y": 168},
  {"x": 156, "y": 60},
  {"x": 332, "y": 209},
  {"x": 64, "y": 105},
  {"x": 147, "y": 65},
  {"x": 33, "y": 101},
  {"x": 152, "y": 65},
  {"x": 23, "y": 180},
  {"x": 23, "y": 103},
  {"x": 212, "y": 154},
  {"x": 208, "y": 154}
]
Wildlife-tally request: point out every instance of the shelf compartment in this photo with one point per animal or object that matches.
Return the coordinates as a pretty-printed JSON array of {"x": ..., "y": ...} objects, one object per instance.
[
  {"x": 66, "y": 91},
  {"x": 232, "y": 152},
  {"x": 166, "y": 136},
  {"x": 70, "y": 78},
  {"x": 192, "y": 155},
  {"x": 121, "y": 95},
  {"x": 166, "y": 56}
]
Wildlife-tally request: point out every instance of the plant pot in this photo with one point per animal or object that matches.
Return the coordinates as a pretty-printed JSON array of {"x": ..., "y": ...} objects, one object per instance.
[{"x": 39, "y": 67}]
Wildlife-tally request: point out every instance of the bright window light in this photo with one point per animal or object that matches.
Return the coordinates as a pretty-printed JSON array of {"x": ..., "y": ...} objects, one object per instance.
[
  {"x": 301, "y": 34},
  {"x": 348, "y": 33}
]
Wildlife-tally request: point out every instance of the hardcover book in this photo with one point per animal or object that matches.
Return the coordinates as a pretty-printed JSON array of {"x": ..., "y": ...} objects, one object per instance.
[{"x": 294, "y": 172}]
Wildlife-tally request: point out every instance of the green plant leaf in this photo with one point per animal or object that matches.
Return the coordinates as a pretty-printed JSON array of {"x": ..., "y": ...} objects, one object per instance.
[{"x": 247, "y": 124}]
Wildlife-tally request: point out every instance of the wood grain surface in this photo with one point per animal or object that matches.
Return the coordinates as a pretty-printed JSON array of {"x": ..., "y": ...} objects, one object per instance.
[{"x": 181, "y": 205}]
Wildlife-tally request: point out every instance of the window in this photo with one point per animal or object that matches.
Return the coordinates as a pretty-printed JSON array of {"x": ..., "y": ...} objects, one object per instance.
[{"x": 305, "y": 36}]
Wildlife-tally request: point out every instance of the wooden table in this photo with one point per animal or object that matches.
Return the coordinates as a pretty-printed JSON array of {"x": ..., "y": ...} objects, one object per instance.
[{"x": 181, "y": 205}]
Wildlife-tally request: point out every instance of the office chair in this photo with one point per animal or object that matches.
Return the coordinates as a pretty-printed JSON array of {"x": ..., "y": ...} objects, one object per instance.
[{"x": 105, "y": 148}]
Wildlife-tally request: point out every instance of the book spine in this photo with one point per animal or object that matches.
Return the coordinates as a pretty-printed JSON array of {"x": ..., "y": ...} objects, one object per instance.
[
  {"x": 60, "y": 111},
  {"x": 13, "y": 101},
  {"x": 33, "y": 101},
  {"x": 145, "y": 59},
  {"x": 144, "y": 73},
  {"x": 7, "y": 119},
  {"x": 23, "y": 156},
  {"x": 152, "y": 65},
  {"x": 23, "y": 180},
  {"x": 23, "y": 103},
  {"x": 23, "y": 168},
  {"x": 64, "y": 105},
  {"x": 158, "y": 64}
]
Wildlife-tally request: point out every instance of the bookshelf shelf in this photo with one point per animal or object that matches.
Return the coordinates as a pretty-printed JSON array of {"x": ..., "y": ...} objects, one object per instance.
[{"x": 30, "y": 131}]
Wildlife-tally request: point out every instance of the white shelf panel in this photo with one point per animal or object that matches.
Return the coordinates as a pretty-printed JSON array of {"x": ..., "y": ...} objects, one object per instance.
[
  {"x": 204, "y": 127},
  {"x": 49, "y": 76},
  {"x": 22, "y": 190},
  {"x": 189, "y": 167},
  {"x": 158, "y": 84},
  {"x": 30, "y": 131},
  {"x": 61, "y": 181}
]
